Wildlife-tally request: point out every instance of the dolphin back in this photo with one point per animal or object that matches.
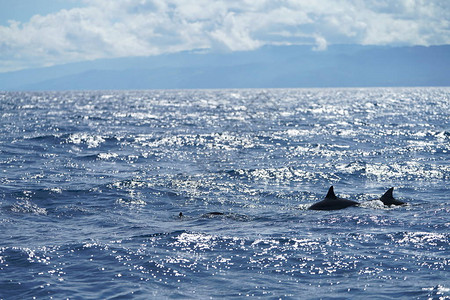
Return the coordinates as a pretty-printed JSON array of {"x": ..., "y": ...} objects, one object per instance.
[
  {"x": 388, "y": 198},
  {"x": 332, "y": 202}
]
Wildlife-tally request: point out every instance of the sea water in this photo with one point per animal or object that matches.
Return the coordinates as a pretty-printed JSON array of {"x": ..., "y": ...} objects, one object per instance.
[{"x": 92, "y": 184}]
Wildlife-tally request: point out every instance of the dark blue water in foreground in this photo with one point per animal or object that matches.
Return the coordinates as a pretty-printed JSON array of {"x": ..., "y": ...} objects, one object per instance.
[{"x": 91, "y": 185}]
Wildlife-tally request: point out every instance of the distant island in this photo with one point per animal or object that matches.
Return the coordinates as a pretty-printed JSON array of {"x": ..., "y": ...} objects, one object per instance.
[{"x": 266, "y": 67}]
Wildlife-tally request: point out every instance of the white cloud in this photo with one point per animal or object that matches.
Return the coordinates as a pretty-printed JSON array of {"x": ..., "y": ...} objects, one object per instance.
[
  {"x": 104, "y": 28},
  {"x": 321, "y": 44}
]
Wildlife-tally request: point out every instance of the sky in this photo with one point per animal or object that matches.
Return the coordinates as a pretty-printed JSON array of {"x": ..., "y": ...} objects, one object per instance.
[{"x": 37, "y": 33}]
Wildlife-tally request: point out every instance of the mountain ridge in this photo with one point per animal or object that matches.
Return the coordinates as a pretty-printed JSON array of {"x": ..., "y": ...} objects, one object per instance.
[{"x": 266, "y": 67}]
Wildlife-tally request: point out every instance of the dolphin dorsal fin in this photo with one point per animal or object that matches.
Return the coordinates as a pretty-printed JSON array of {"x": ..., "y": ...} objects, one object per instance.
[
  {"x": 331, "y": 193},
  {"x": 388, "y": 193}
]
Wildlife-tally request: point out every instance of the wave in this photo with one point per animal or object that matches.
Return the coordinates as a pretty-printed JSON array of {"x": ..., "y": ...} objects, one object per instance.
[{"x": 91, "y": 140}]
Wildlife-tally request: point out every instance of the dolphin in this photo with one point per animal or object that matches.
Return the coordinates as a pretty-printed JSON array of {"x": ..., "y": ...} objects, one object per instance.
[
  {"x": 212, "y": 214},
  {"x": 388, "y": 198},
  {"x": 332, "y": 202},
  {"x": 207, "y": 215},
  {"x": 220, "y": 215}
]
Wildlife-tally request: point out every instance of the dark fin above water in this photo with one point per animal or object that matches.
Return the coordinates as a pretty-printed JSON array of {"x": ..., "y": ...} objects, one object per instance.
[
  {"x": 388, "y": 198},
  {"x": 331, "y": 193},
  {"x": 389, "y": 193}
]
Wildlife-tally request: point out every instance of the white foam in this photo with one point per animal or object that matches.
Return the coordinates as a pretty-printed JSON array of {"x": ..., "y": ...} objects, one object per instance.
[{"x": 92, "y": 141}]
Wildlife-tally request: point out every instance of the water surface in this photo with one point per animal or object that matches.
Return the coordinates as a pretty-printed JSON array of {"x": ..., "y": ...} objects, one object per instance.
[{"x": 92, "y": 183}]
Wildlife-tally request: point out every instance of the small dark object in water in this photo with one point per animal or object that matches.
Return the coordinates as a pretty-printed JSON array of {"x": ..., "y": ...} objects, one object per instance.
[
  {"x": 212, "y": 214},
  {"x": 207, "y": 215}
]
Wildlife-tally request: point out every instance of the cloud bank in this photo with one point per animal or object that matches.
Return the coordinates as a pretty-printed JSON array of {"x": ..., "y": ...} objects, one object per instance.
[{"x": 107, "y": 29}]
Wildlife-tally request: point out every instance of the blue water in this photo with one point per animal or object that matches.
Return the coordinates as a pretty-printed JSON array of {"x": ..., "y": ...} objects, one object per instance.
[{"x": 91, "y": 185}]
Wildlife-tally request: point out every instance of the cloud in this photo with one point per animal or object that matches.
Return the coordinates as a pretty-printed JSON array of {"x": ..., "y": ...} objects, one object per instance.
[{"x": 106, "y": 29}]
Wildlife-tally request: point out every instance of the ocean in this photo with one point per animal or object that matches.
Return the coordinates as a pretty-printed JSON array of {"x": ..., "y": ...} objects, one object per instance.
[{"x": 92, "y": 184}]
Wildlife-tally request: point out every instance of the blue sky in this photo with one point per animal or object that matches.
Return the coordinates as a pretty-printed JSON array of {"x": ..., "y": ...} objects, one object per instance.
[
  {"x": 23, "y": 10},
  {"x": 39, "y": 33}
]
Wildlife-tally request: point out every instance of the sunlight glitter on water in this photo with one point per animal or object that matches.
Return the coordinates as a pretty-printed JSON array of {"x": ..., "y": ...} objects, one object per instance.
[{"x": 93, "y": 183}]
